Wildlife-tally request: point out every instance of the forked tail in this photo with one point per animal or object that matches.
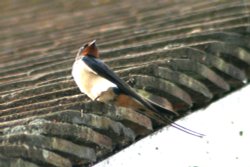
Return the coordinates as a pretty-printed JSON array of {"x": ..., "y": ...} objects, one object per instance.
[
  {"x": 162, "y": 112},
  {"x": 153, "y": 111}
]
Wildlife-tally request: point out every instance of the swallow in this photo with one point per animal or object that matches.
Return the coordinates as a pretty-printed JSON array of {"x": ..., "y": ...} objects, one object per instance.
[{"x": 95, "y": 79}]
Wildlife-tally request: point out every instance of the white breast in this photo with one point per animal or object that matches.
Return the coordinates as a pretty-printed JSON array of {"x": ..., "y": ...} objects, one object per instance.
[{"x": 88, "y": 81}]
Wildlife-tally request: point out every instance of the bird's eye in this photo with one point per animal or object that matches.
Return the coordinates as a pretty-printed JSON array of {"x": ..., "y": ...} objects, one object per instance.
[{"x": 86, "y": 45}]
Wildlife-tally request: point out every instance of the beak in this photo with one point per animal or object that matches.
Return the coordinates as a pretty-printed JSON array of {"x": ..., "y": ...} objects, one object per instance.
[{"x": 92, "y": 43}]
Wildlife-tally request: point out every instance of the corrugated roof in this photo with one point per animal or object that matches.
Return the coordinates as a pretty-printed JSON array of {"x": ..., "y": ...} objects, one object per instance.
[{"x": 183, "y": 55}]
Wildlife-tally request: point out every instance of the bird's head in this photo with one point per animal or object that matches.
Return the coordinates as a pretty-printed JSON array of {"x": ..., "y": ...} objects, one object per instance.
[{"x": 89, "y": 49}]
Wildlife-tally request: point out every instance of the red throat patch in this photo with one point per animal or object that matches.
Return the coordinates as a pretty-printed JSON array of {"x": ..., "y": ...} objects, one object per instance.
[{"x": 90, "y": 49}]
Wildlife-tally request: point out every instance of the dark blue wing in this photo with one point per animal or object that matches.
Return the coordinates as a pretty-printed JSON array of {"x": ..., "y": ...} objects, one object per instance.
[{"x": 103, "y": 70}]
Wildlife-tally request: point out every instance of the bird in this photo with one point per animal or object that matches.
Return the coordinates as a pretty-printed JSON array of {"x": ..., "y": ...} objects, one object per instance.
[{"x": 96, "y": 79}]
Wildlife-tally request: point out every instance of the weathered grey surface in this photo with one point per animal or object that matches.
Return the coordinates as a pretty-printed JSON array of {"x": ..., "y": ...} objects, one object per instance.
[{"x": 181, "y": 54}]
